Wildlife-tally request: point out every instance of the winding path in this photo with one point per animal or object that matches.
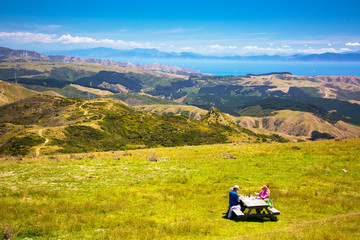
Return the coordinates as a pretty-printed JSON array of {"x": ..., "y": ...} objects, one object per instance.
[
  {"x": 43, "y": 145},
  {"x": 85, "y": 111}
]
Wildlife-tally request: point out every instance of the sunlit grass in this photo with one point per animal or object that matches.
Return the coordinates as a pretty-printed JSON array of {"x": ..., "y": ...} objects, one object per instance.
[{"x": 123, "y": 195}]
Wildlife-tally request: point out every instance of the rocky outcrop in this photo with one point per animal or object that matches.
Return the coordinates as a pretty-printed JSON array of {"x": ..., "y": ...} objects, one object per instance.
[{"x": 215, "y": 116}]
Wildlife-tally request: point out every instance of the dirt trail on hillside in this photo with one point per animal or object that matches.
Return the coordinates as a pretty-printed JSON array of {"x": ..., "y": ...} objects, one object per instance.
[
  {"x": 43, "y": 145},
  {"x": 85, "y": 111}
]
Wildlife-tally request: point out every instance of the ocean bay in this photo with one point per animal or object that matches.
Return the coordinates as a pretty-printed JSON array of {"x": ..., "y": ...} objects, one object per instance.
[{"x": 229, "y": 67}]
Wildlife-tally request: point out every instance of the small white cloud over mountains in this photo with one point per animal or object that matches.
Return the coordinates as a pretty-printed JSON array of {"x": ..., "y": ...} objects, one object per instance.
[
  {"x": 352, "y": 44},
  {"x": 70, "y": 39},
  {"x": 270, "y": 50},
  {"x": 216, "y": 46},
  {"x": 318, "y": 51},
  {"x": 187, "y": 49},
  {"x": 288, "y": 50}
]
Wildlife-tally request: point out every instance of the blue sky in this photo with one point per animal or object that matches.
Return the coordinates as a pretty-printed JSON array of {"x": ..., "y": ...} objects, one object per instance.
[{"x": 227, "y": 27}]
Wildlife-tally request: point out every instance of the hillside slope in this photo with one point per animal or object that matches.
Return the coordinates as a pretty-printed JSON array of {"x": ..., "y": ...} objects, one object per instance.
[
  {"x": 159, "y": 193},
  {"x": 191, "y": 111},
  {"x": 300, "y": 124},
  {"x": 10, "y": 93},
  {"x": 73, "y": 125},
  {"x": 287, "y": 123}
]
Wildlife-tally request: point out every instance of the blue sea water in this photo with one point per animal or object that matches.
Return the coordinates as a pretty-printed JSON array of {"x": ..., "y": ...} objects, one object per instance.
[{"x": 227, "y": 67}]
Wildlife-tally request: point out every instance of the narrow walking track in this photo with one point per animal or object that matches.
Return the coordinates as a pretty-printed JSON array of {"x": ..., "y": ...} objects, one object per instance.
[
  {"x": 46, "y": 141},
  {"x": 85, "y": 111}
]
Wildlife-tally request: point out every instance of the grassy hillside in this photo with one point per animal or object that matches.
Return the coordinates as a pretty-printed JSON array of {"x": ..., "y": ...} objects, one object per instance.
[
  {"x": 296, "y": 123},
  {"x": 45, "y": 68},
  {"x": 194, "y": 112},
  {"x": 10, "y": 93},
  {"x": 40, "y": 110},
  {"x": 73, "y": 125},
  {"x": 128, "y": 195},
  {"x": 135, "y": 99}
]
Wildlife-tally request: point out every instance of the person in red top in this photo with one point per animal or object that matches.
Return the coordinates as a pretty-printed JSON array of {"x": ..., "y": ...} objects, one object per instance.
[{"x": 265, "y": 193}]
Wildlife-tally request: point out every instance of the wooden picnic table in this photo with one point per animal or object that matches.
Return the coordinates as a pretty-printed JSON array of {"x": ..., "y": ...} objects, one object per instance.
[{"x": 256, "y": 207}]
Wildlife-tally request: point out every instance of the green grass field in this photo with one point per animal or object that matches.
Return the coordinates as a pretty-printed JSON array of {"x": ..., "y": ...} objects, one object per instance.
[{"x": 125, "y": 195}]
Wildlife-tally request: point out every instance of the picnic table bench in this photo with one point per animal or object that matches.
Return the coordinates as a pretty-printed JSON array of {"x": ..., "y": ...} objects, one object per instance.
[{"x": 255, "y": 207}]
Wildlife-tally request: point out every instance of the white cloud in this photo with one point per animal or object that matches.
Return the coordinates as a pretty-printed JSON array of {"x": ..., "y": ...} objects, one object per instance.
[
  {"x": 286, "y": 46},
  {"x": 352, "y": 44},
  {"x": 289, "y": 50},
  {"x": 329, "y": 44},
  {"x": 221, "y": 47},
  {"x": 120, "y": 43},
  {"x": 187, "y": 49},
  {"x": 271, "y": 44},
  {"x": 322, "y": 50},
  {"x": 27, "y": 37},
  {"x": 268, "y": 49},
  {"x": 345, "y": 49},
  {"x": 107, "y": 40},
  {"x": 70, "y": 39}
]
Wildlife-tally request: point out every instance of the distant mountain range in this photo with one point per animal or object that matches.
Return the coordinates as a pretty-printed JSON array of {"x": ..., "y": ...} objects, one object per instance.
[
  {"x": 105, "y": 56},
  {"x": 110, "y": 53},
  {"x": 11, "y": 55}
]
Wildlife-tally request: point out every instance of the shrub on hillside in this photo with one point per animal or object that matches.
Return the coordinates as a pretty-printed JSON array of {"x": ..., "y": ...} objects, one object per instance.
[
  {"x": 21, "y": 145},
  {"x": 318, "y": 135}
]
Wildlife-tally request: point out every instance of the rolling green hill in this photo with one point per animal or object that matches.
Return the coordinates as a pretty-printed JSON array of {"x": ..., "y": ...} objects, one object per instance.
[{"x": 73, "y": 125}]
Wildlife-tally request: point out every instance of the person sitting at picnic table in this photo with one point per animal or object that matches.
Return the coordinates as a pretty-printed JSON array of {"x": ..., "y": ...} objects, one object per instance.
[
  {"x": 265, "y": 195},
  {"x": 234, "y": 200}
]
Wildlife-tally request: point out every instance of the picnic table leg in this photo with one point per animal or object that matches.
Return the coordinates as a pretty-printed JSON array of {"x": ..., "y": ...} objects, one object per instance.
[
  {"x": 248, "y": 213},
  {"x": 272, "y": 217}
]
